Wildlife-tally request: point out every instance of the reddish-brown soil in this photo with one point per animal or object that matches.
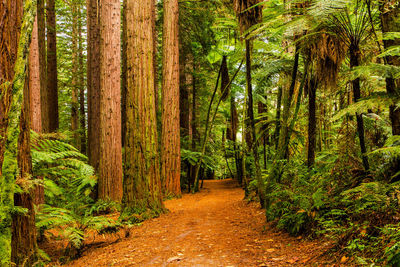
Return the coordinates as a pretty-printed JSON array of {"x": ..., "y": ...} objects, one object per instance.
[{"x": 215, "y": 227}]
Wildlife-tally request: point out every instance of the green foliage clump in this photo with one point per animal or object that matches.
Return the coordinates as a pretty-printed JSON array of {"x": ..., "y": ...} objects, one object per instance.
[{"x": 69, "y": 211}]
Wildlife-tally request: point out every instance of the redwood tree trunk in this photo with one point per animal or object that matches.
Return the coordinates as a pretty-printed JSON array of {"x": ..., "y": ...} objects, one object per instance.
[
  {"x": 34, "y": 81},
  {"x": 35, "y": 78},
  {"x": 23, "y": 241},
  {"x": 75, "y": 78},
  {"x": 82, "y": 113},
  {"x": 41, "y": 23},
  {"x": 110, "y": 164},
  {"x": 170, "y": 142},
  {"x": 142, "y": 184},
  {"x": 51, "y": 121},
  {"x": 10, "y": 21},
  {"x": 93, "y": 83}
]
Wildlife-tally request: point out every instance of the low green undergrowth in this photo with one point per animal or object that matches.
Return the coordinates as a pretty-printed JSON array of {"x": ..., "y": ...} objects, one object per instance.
[{"x": 358, "y": 211}]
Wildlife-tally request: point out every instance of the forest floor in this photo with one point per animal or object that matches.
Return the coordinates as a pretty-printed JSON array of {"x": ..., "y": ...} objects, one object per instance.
[{"x": 215, "y": 227}]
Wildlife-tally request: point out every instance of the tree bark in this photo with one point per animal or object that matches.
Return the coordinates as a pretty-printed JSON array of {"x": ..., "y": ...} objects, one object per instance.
[
  {"x": 170, "y": 143},
  {"x": 75, "y": 77},
  {"x": 82, "y": 112},
  {"x": 93, "y": 83},
  {"x": 278, "y": 116},
  {"x": 142, "y": 184},
  {"x": 183, "y": 96},
  {"x": 51, "y": 121},
  {"x": 354, "y": 62},
  {"x": 35, "y": 72},
  {"x": 110, "y": 163},
  {"x": 250, "y": 113},
  {"x": 123, "y": 74},
  {"x": 312, "y": 122},
  {"x": 282, "y": 152},
  {"x": 10, "y": 19},
  {"x": 34, "y": 81},
  {"x": 23, "y": 241},
  {"x": 41, "y": 24}
]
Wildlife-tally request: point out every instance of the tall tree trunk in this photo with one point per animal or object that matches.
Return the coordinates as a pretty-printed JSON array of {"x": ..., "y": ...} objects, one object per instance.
[
  {"x": 282, "y": 152},
  {"x": 110, "y": 163},
  {"x": 41, "y": 23},
  {"x": 390, "y": 22},
  {"x": 142, "y": 184},
  {"x": 170, "y": 143},
  {"x": 250, "y": 113},
  {"x": 51, "y": 122},
  {"x": 10, "y": 20},
  {"x": 354, "y": 62},
  {"x": 34, "y": 81},
  {"x": 82, "y": 113},
  {"x": 93, "y": 83},
  {"x": 123, "y": 74},
  {"x": 183, "y": 96},
  {"x": 23, "y": 241},
  {"x": 195, "y": 133},
  {"x": 13, "y": 82},
  {"x": 75, "y": 77},
  {"x": 278, "y": 116},
  {"x": 312, "y": 122},
  {"x": 35, "y": 78},
  {"x": 263, "y": 109}
]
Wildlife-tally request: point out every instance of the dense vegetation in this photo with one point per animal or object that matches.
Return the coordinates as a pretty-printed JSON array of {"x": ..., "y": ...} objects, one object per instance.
[{"x": 297, "y": 100}]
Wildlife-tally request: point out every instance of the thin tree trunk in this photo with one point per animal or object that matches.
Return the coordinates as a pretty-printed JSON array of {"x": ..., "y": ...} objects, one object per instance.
[
  {"x": 41, "y": 23},
  {"x": 123, "y": 74},
  {"x": 82, "y": 113},
  {"x": 51, "y": 121},
  {"x": 183, "y": 97},
  {"x": 282, "y": 152},
  {"x": 354, "y": 62},
  {"x": 262, "y": 108},
  {"x": 278, "y": 117},
  {"x": 250, "y": 111},
  {"x": 110, "y": 162},
  {"x": 75, "y": 78},
  {"x": 195, "y": 133},
  {"x": 312, "y": 122},
  {"x": 142, "y": 183}
]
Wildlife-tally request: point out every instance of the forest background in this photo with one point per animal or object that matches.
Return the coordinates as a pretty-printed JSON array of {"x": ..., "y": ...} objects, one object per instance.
[{"x": 114, "y": 106}]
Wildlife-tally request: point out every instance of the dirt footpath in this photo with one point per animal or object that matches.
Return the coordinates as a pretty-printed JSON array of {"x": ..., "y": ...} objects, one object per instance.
[{"x": 215, "y": 227}]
